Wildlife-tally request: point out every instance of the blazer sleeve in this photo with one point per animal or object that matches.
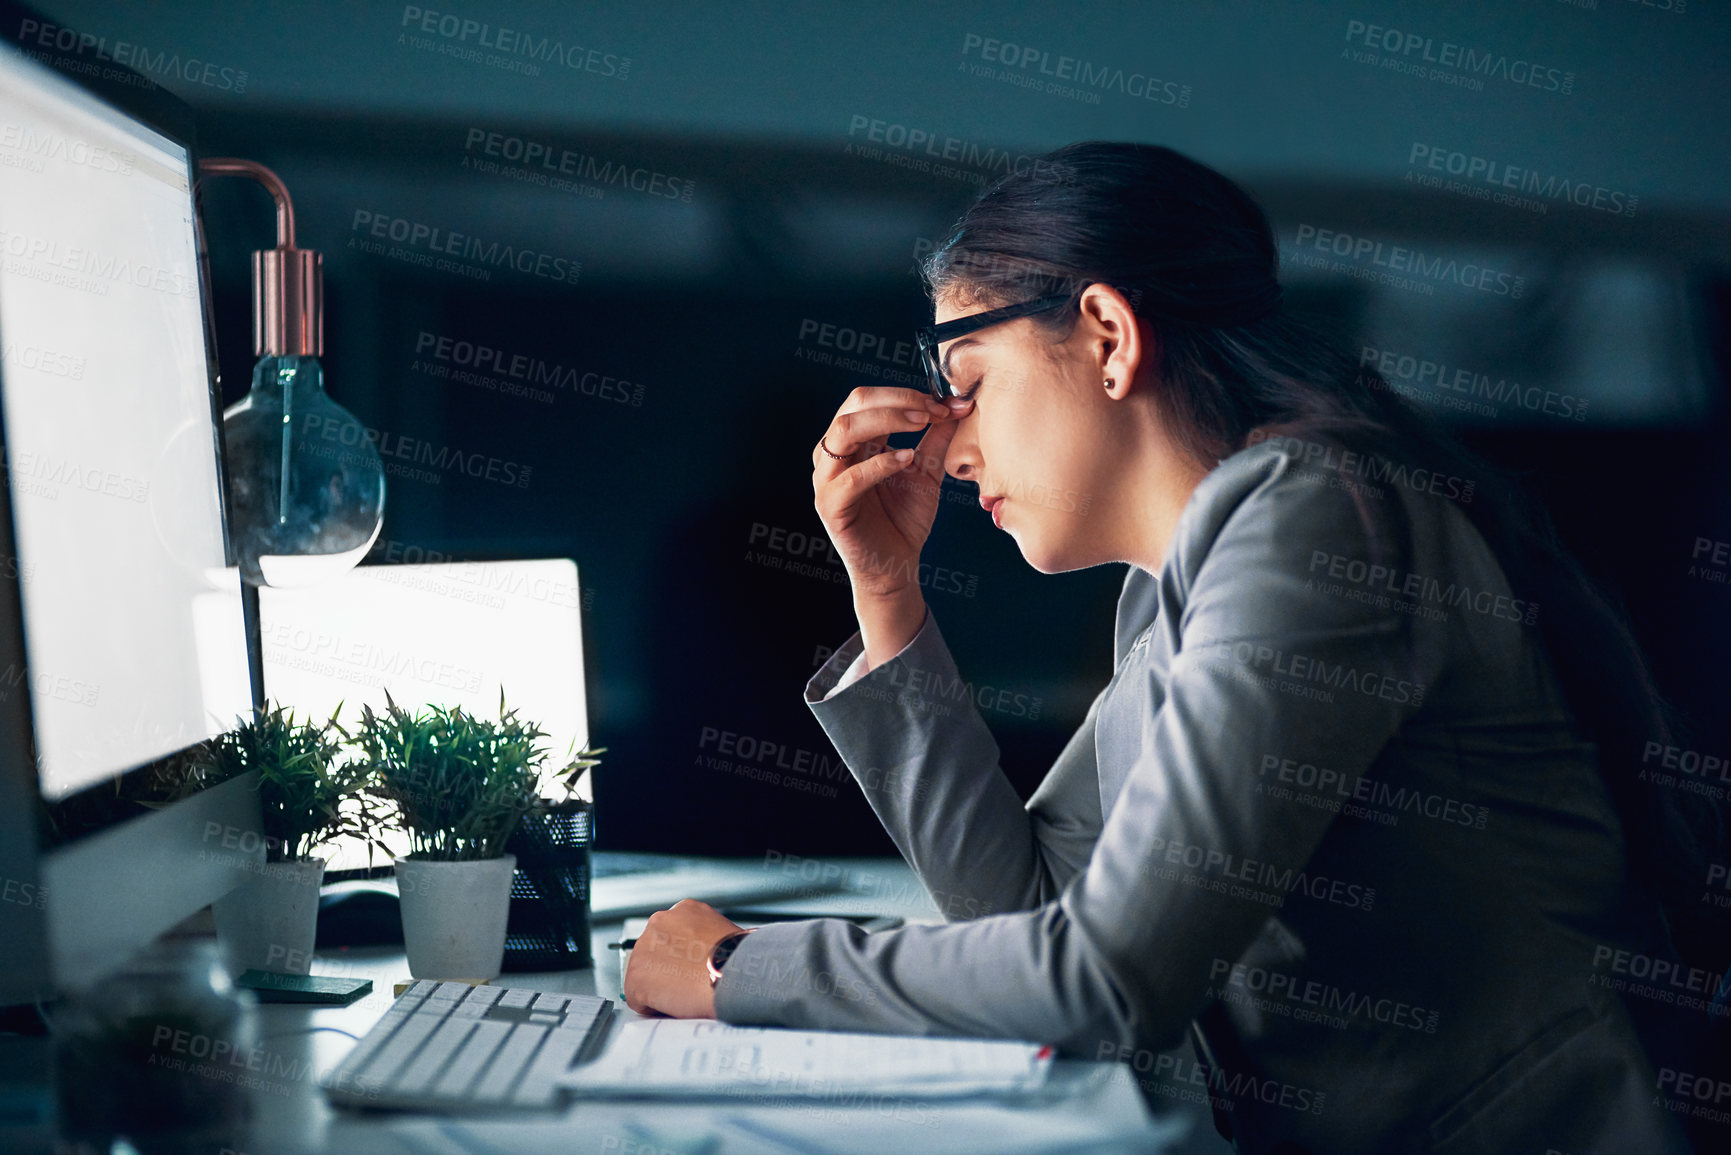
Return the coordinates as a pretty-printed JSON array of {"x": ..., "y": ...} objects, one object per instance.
[
  {"x": 1192, "y": 853},
  {"x": 912, "y": 735}
]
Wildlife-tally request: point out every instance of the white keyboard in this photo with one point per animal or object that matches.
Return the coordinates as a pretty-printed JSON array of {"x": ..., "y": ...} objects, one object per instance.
[{"x": 456, "y": 1048}]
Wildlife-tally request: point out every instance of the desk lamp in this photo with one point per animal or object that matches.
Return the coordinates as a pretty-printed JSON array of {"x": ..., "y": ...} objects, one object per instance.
[{"x": 306, "y": 488}]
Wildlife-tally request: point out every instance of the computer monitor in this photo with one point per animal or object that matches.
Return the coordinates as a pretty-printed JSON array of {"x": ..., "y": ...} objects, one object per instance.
[
  {"x": 445, "y": 634},
  {"x": 120, "y": 641}
]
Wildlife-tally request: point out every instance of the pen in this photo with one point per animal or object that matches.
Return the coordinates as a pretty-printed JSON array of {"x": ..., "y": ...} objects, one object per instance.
[{"x": 626, "y": 945}]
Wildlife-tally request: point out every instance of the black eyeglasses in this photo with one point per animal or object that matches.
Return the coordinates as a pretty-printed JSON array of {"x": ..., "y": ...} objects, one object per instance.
[{"x": 929, "y": 337}]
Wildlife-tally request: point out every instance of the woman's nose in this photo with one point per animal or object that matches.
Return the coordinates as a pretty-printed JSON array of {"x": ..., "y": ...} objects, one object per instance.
[{"x": 961, "y": 460}]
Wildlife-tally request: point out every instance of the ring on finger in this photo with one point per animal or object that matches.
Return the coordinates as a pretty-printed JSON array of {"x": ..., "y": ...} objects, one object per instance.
[{"x": 825, "y": 448}]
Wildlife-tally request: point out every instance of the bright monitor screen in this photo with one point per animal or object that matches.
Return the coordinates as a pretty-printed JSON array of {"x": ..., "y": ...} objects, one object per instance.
[
  {"x": 444, "y": 635},
  {"x": 134, "y": 646}
]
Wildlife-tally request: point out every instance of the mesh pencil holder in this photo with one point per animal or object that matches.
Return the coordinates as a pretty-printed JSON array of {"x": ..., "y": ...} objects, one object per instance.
[{"x": 548, "y": 928}]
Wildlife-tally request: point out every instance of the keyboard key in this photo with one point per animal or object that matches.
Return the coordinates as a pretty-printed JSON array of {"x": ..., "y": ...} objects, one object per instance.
[
  {"x": 466, "y": 1066},
  {"x": 430, "y": 1061},
  {"x": 509, "y": 1063},
  {"x": 540, "y": 1083},
  {"x": 402, "y": 1046},
  {"x": 581, "y": 1014},
  {"x": 453, "y": 1047}
]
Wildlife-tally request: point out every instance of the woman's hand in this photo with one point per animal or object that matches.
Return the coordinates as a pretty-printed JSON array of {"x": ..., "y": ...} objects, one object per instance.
[
  {"x": 668, "y": 971},
  {"x": 878, "y": 508}
]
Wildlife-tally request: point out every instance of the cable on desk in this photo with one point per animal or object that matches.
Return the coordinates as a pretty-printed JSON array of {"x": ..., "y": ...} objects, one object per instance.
[{"x": 307, "y": 1031}]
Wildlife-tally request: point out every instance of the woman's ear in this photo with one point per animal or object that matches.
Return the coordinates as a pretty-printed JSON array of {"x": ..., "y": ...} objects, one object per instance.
[{"x": 1117, "y": 341}]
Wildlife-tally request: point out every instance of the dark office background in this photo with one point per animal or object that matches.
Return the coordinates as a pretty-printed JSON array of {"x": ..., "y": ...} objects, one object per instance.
[{"x": 674, "y": 481}]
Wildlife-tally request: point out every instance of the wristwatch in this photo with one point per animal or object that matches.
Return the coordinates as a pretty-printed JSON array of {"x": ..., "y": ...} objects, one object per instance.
[{"x": 721, "y": 952}]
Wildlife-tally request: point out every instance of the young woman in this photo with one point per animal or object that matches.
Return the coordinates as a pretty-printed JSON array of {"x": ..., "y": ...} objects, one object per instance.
[{"x": 1337, "y": 816}]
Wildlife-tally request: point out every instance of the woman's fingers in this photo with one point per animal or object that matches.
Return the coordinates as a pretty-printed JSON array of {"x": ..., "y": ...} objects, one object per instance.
[
  {"x": 929, "y": 455},
  {"x": 860, "y": 429},
  {"x": 844, "y": 489},
  {"x": 888, "y": 397}
]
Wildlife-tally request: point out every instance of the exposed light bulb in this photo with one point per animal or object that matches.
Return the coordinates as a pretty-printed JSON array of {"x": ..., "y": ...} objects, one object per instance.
[{"x": 306, "y": 487}]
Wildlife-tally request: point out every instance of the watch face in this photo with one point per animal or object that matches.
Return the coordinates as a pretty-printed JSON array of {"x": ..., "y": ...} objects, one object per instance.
[{"x": 721, "y": 952}]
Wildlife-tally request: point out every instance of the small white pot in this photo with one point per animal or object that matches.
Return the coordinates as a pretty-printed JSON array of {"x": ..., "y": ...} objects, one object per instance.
[
  {"x": 270, "y": 921},
  {"x": 454, "y": 916}
]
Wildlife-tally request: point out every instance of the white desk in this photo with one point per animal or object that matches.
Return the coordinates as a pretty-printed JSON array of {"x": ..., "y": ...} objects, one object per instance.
[{"x": 1087, "y": 1106}]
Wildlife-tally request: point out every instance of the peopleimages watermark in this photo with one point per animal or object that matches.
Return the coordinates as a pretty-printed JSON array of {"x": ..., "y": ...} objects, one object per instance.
[
  {"x": 1362, "y": 796},
  {"x": 787, "y": 550},
  {"x": 175, "y": 1048},
  {"x": 922, "y": 150},
  {"x": 1719, "y": 877},
  {"x": 1500, "y": 176},
  {"x": 514, "y": 373},
  {"x": 1008, "y": 274},
  {"x": 1453, "y": 387},
  {"x": 1362, "y": 580},
  {"x": 285, "y": 641},
  {"x": 885, "y": 889},
  {"x": 45, "y": 684},
  {"x": 1025, "y": 66},
  {"x": 509, "y": 49},
  {"x": 1674, "y": 7},
  {"x": 1389, "y": 259},
  {"x": 768, "y": 761},
  {"x": 1660, "y": 980},
  {"x": 37, "y": 36},
  {"x": 1368, "y": 467},
  {"x": 1710, "y": 561},
  {"x": 39, "y": 147},
  {"x": 42, "y": 474},
  {"x": 565, "y": 169},
  {"x": 936, "y": 691},
  {"x": 41, "y": 359},
  {"x": 394, "y": 449},
  {"x": 857, "y": 351},
  {"x": 449, "y": 251},
  {"x": 1269, "y": 884},
  {"x": 1676, "y": 1088},
  {"x": 1466, "y": 66},
  {"x": 21, "y": 893},
  {"x": 48, "y": 260},
  {"x": 1699, "y": 773},
  {"x": 248, "y": 850},
  {"x": 1310, "y": 1000},
  {"x": 466, "y": 581},
  {"x": 1303, "y": 675},
  {"x": 1219, "y": 1089}
]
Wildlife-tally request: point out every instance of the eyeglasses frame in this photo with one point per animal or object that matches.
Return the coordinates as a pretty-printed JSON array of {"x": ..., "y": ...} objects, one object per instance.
[{"x": 929, "y": 337}]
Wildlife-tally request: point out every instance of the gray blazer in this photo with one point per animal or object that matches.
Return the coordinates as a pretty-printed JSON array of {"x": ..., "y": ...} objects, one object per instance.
[{"x": 1330, "y": 818}]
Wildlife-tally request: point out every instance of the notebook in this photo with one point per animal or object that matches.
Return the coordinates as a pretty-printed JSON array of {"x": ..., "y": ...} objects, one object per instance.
[{"x": 685, "y": 1058}]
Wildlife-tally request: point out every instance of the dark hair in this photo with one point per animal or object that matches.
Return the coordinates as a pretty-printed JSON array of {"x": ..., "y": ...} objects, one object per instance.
[{"x": 1196, "y": 258}]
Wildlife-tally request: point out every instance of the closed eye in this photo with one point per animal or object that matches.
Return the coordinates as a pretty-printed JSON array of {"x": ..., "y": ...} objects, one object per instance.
[{"x": 968, "y": 393}]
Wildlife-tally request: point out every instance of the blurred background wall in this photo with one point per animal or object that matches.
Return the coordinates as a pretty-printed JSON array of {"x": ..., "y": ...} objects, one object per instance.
[{"x": 633, "y": 256}]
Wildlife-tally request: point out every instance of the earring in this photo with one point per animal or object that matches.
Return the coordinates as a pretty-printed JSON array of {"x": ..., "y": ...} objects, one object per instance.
[{"x": 1108, "y": 382}]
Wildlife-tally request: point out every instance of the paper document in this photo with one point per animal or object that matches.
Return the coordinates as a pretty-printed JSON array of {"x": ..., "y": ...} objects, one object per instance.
[{"x": 686, "y": 1057}]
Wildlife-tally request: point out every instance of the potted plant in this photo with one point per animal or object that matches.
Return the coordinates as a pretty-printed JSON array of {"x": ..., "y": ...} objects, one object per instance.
[
  {"x": 307, "y": 798},
  {"x": 458, "y": 785}
]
